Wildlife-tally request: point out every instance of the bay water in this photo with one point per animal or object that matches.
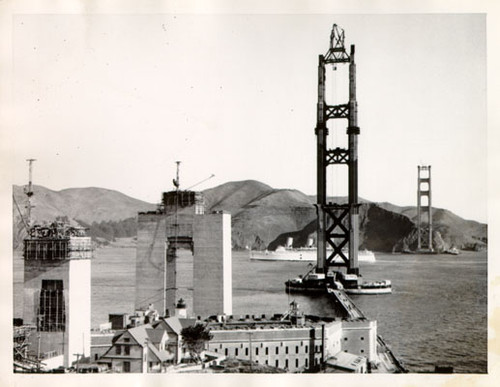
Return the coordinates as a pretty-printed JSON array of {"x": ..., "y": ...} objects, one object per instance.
[{"x": 436, "y": 315}]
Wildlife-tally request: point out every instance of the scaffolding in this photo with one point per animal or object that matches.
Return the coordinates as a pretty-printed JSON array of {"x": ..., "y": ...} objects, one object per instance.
[{"x": 24, "y": 360}]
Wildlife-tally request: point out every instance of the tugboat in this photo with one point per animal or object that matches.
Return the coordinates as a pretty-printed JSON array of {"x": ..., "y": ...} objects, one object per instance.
[{"x": 313, "y": 282}]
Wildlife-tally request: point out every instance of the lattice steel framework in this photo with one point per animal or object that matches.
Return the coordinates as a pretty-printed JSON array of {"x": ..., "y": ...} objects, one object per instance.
[
  {"x": 337, "y": 224},
  {"x": 51, "y": 311}
]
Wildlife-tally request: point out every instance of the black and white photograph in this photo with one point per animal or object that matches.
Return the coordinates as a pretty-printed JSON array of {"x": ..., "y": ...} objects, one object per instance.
[{"x": 214, "y": 190}]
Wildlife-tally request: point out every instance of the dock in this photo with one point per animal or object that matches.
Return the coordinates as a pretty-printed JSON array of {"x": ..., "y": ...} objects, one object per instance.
[{"x": 347, "y": 305}]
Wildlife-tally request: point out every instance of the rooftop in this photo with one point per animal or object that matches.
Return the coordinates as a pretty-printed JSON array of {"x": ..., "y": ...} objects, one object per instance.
[{"x": 276, "y": 321}]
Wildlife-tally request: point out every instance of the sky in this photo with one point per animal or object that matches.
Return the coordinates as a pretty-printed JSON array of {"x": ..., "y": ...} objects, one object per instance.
[{"x": 113, "y": 100}]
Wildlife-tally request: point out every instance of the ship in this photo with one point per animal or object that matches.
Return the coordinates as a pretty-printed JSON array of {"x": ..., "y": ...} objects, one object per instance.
[
  {"x": 313, "y": 282},
  {"x": 304, "y": 254}
]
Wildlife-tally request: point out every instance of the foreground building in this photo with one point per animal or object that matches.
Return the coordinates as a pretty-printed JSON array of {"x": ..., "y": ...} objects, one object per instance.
[
  {"x": 293, "y": 342},
  {"x": 149, "y": 348}
]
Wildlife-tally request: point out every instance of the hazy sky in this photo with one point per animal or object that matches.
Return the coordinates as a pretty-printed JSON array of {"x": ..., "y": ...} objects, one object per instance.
[{"x": 113, "y": 101}]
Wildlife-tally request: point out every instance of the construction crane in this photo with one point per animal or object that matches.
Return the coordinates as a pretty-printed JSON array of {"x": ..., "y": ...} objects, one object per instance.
[
  {"x": 204, "y": 180},
  {"x": 29, "y": 190}
]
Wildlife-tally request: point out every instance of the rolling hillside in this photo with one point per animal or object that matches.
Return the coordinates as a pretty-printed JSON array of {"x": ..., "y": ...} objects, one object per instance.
[
  {"x": 262, "y": 217},
  {"x": 88, "y": 205}
]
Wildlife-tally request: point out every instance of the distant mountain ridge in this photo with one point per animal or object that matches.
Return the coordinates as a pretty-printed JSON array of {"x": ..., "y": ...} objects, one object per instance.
[
  {"x": 87, "y": 205},
  {"x": 262, "y": 217}
]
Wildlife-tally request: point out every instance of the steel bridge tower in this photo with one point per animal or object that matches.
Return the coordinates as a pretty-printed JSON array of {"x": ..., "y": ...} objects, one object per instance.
[
  {"x": 337, "y": 224},
  {"x": 424, "y": 209}
]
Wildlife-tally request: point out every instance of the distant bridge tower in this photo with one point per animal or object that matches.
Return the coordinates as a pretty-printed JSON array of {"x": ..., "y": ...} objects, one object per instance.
[
  {"x": 337, "y": 224},
  {"x": 424, "y": 209}
]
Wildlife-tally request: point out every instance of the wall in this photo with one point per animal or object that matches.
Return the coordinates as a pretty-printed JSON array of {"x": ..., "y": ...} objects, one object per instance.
[
  {"x": 78, "y": 312},
  {"x": 360, "y": 338},
  {"x": 34, "y": 273},
  {"x": 203, "y": 280},
  {"x": 135, "y": 356},
  {"x": 150, "y": 260},
  {"x": 302, "y": 343},
  {"x": 76, "y": 277},
  {"x": 212, "y": 265},
  {"x": 180, "y": 280}
]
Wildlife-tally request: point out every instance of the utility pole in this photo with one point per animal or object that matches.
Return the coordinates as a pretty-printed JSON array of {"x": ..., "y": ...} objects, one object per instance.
[
  {"x": 38, "y": 353},
  {"x": 250, "y": 348},
  {"x": 77, "y": 360}
]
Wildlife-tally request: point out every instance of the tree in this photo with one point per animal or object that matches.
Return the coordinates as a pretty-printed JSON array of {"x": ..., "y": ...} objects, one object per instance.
[{"x": 194, "y": 338}]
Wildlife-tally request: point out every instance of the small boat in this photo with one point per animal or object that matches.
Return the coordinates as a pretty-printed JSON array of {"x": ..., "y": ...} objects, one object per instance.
[
  {"x": 452, "y": 251},
  {"x": 310, "y": 283}
]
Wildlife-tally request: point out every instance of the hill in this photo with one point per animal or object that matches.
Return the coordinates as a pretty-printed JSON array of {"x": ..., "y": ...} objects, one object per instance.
[
  {"x": 452, "y": 229},
  {"x": 85, "y": 206},
  {"x": 262, "y": 217}
]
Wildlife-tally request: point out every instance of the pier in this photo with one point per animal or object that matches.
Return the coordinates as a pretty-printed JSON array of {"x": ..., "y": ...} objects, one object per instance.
[{"x": 346, "y": 304}]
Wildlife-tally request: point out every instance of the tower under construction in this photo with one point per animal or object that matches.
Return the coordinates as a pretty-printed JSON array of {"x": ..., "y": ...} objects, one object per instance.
[
  {"x": 337, "y": 224},
  {"x": 184, "y": 254},
  {"x": 57, "y": 261}
]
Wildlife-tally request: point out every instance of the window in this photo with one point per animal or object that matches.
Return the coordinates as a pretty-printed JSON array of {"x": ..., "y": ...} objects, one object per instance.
[
  {"x": 118, "y": 350},
  {"x": 307, "y": 348},
  {"x": 150, "y": 364},
  {"x": 256, "y": 351},
  {"x": 267, "y": 351},
  {"x": 306, "y": 363},
  {"x": 297, "y": 349},
  {"x": 246, "y": 351},
  {"x": 362, "y": 351},
  {"x": 286, "y": 363},
  {"x": 126, "y": 366},
  {"x": 267, "y": 362},
  {"x": 277, "y": 350},
  {"x": 51, "y": 308},
  {"x": 277, "y": 363},
  {"x": 345, "y": 338},
  {"x": 286, "y": 350},
  {"x": 226, "y": 352},
  {"x": 126, "y": 339},
  {"x": 236, "y": 352},
  {"x": 215, "y": 350},
  {"x": 362, "y": 338},
  {"x": 296, "y": 363},
  {"x": 126, "y": 350}
]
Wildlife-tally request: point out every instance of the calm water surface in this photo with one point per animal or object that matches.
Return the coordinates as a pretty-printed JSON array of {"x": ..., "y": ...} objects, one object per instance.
[{"x": 437, "y": 313}]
